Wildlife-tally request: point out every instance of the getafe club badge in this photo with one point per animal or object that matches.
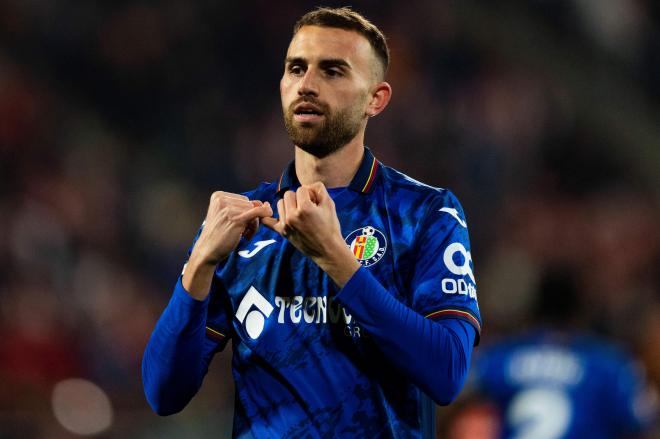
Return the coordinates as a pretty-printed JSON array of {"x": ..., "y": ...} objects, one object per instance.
[{"x": 367, "y": 244}]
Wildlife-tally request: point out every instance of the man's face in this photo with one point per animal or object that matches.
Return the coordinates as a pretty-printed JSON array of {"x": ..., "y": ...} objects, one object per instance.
[{"x": 325, "y": 88}]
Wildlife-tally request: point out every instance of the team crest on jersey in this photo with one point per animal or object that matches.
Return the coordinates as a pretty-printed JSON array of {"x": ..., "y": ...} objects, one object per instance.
[{"x": 368, "y": 245}]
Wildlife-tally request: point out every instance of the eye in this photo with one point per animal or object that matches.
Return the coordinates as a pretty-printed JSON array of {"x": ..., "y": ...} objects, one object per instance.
[
  {"x": 333, "y": 72},
  {"x": 296, "y": 69}
]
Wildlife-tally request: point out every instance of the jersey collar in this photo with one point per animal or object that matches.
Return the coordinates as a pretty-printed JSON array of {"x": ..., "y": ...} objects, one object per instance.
[{"x": 363, "y": 181}]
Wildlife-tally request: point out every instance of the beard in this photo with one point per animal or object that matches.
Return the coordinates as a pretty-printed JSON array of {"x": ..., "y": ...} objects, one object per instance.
[{"x": 330, "y": 135}]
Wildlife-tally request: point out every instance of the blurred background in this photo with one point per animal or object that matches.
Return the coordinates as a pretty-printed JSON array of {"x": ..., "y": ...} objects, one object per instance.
[{"x": 118, "y": 119}]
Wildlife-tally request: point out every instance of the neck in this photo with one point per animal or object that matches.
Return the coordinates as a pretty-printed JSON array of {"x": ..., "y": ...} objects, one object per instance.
[{"x": 335, "y": 170}]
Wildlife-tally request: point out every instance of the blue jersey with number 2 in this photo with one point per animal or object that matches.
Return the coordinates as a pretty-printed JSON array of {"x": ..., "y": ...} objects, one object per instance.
[{"x": 555, "y": 386}]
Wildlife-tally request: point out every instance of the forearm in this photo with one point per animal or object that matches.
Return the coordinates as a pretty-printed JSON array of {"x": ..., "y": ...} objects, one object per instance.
[
  {"x": 198, "y": 276},
  {"x": 434, "y": 355},
  {"x": 173, "y": 365}
]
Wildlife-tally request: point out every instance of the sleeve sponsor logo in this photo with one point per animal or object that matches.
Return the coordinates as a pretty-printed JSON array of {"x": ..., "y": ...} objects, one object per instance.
[
  {"x": 461, "y": 285},
  {"x": 459, "y": 270}
]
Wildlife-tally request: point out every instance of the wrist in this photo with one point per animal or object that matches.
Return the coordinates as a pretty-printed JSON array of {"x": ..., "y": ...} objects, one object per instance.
[
  {"x": 200, "y": 259},
  {"x": 197, "y": 276},
  {"x": 338, "y": 263}
]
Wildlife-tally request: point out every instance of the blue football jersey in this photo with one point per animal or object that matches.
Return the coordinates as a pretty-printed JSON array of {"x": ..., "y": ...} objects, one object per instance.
[
  {"x": 302, "y": 364},
  {"x": 558, "y": 386}
]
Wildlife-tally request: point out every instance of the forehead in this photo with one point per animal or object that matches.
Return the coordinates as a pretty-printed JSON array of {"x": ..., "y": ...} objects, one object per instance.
[{"x": 316, "y": 42}]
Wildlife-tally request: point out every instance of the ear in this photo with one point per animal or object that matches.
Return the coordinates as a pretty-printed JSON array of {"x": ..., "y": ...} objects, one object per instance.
[{"x": 380, "y": 97}]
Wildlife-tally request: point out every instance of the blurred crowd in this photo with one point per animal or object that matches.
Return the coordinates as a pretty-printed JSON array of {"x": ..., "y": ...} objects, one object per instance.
[{"x": 118, "y": 120}]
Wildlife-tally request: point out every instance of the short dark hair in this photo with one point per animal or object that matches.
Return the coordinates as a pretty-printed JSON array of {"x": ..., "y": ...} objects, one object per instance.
[{"x": 348, "y": 19}]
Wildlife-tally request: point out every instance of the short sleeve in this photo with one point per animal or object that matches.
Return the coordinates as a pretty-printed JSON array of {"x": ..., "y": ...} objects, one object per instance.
[{"x": 443, "y": 281}]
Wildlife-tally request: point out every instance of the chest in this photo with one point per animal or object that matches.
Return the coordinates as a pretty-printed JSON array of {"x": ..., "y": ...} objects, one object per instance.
[{"x": 274, "y": 294}]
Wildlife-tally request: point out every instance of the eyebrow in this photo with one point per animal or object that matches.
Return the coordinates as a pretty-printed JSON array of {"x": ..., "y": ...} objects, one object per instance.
[
  {"x": 324, "y": 63},
  {"x": 334, "y": 62}
]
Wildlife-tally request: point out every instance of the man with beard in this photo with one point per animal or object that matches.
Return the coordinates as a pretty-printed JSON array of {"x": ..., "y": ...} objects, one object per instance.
[{"x": 355, "y": 307}]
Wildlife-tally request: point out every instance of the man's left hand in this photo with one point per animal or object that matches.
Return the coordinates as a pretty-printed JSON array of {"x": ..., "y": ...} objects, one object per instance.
[{"x": 307, "y": 218}]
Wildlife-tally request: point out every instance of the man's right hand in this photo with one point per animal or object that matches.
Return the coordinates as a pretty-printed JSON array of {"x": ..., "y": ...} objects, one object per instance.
[{"x": 229, "y": 217}]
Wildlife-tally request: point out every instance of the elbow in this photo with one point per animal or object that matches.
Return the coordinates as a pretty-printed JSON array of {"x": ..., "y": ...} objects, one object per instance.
[
  {"x": 160, "y": 402},
  {"x": 447, "y": 395},
  {"x": 446, "y": 391},
  {"x": 161, "y": 394},
  {"x": 162, "y": 408}
]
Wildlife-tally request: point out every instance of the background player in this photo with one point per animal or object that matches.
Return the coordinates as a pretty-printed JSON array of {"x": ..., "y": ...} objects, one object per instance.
[{"x": 557, "y": 381}]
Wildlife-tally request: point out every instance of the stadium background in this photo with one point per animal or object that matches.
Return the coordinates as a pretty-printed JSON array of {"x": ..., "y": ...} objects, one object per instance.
[{"x": 118, "y": 119}]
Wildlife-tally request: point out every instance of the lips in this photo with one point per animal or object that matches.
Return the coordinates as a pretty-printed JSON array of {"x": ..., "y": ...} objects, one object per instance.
[
  {"x": 307, "y": 112},
  {"x": 307, "y": 108}
]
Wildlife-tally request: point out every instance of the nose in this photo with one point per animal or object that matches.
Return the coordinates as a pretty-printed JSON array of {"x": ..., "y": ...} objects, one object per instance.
[{"x": 308, "y": 85}]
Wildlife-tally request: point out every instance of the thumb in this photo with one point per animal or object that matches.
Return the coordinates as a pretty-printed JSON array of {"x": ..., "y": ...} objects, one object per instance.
[
  {"x": 269, "y": 222},
  {"x": 275, "y": 225},
  {"x": 319, "y": 192}
]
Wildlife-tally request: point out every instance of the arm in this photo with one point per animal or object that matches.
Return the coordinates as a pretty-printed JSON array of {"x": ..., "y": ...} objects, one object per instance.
[
  {"x": 178, "y": 353},
  {"x": 435, "y": 355}
]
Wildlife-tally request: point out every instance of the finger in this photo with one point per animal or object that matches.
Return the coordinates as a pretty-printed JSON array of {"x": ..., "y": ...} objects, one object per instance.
[
  {"x": 234, "y": 196},
  {"x": 232, "y": 206},
  {"x": 256, "y": 212},
  {"x": 269, "y": 222},
  {"x": 239, "y": 203},
  {"x": 290, "y": 204},
  {"x": 272, "y": 224},
  {"x": 281, "y": 226},
  {"x": 253, "y": 226},
  {"x": 303, "y": 199},
  {"x": 277, "y": 225},
  {"x": 251, "y": 229},
  {"x": 219, "y": 197},
  {"x": 281, "y": 210},
  {"x": 320, "y": 193}
]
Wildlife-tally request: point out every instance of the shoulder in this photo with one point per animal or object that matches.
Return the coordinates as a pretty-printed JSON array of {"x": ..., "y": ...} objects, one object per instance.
[
  {"x": 398, "y": 184},
  {"x": 425, "y": 204}
]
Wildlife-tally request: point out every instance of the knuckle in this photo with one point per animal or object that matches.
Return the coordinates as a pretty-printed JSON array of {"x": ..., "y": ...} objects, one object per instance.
[{"x": 216, "y": 196}]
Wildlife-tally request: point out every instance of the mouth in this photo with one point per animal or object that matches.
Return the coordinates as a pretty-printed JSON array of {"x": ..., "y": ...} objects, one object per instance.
[{"x": 307, "y": 112}]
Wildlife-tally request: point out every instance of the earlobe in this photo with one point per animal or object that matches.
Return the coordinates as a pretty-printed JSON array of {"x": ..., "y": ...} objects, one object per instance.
[{"x": 380, "y": 97}]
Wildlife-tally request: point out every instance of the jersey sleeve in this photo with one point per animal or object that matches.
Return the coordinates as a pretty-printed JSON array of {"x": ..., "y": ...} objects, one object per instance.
[
  {"x": 217, "y": 327},
  {"x": 443, "y": 281},
  {"x": 187, "y": 335}
]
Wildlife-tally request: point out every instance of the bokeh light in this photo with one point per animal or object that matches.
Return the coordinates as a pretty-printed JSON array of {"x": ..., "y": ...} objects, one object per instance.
[{"x": 81, "y": 406}]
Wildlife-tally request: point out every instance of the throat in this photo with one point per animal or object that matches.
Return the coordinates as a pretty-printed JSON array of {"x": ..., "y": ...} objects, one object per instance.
[{"x": 334, "y": 171}]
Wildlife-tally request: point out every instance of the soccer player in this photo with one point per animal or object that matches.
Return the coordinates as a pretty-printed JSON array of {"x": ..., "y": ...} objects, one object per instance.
[
  {"x": 558, "y": 382},
  {"x": 355, "y": 307}
]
